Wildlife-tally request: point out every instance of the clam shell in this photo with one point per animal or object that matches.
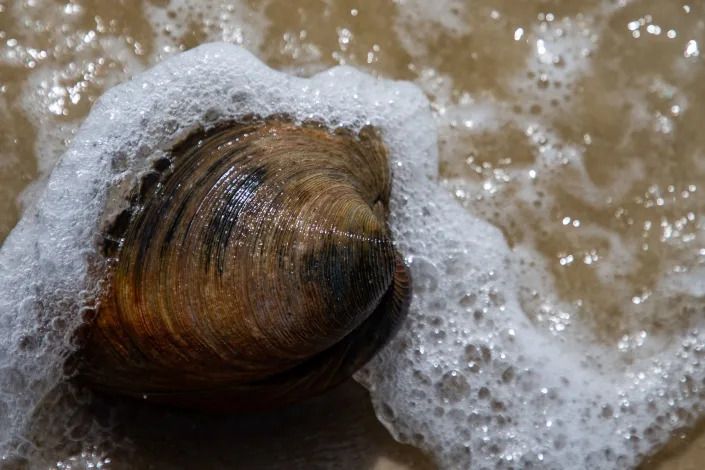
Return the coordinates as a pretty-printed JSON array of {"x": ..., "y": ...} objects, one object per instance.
[{"x": 254, "y": 270}]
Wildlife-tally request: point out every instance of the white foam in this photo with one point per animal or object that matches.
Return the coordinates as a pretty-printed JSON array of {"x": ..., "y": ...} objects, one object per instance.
[
  {"x": 44, "y": 263},
  {"x": 414, "y": 15},
  {"x": 233, "y": 22},
  {"x": 468, "y": 378}
]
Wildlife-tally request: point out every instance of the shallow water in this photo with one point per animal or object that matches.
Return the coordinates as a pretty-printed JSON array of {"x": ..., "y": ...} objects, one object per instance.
[{"x": 571, "y": 125}]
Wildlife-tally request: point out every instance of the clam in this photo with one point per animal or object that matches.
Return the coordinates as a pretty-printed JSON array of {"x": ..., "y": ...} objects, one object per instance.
[{"x": 254, "y": 268}]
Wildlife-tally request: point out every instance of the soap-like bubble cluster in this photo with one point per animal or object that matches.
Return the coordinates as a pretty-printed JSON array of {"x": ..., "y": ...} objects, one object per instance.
[
  {"x": 468, "y": 378},
  {"x": 606, "y": 238},
  {"x": 495, "y": 367},
  {"x": 482, "y": 388},
  {"x": 51, "y": 261}
]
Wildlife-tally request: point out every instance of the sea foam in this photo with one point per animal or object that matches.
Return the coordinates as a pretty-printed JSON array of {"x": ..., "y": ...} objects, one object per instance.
[{"x": 468, "y": 378}]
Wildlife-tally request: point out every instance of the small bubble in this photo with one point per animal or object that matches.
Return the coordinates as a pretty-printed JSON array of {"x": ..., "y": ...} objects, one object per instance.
[
  {"x": 497, "y": 406},
  {"x": 426, "y": 275},
  {"x": 387, "y": 413},
  {"x": 468, "y": 300},
  {"x": 508, "y": 375},
  {"x": 453, "y": 387}
]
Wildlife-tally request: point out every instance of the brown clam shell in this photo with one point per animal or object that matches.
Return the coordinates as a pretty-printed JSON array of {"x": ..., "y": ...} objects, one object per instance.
[{"x": 257, "y": 271}]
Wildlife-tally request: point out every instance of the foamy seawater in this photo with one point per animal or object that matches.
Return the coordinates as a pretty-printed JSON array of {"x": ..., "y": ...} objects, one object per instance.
[{"x": 559, "y": 300}]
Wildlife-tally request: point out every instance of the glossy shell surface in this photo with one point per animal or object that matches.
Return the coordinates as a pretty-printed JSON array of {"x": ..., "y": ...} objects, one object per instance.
[{"x": 254, "y": 269}]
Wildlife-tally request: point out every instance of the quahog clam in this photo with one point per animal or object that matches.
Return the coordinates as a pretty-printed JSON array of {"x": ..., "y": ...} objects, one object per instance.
[{"x": 255, "y": 269}]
